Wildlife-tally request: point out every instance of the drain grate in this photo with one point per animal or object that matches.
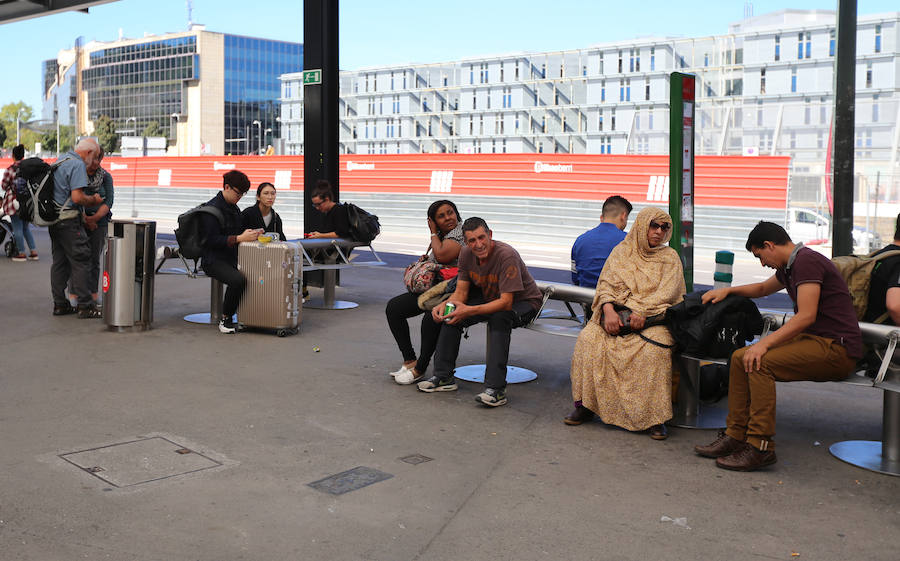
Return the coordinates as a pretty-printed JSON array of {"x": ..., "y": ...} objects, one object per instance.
[
  {"x": 139, "y": 461},
  {"x": 415, "y": 459},
  {"x": 350, "y": 480}
]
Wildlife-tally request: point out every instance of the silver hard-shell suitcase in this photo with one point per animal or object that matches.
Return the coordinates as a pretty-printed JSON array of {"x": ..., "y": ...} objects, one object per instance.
[{"x": 274, "y": 277}]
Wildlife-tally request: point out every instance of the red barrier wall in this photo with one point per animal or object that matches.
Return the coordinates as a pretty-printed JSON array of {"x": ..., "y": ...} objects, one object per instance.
[{"x": 755, "y": 182}]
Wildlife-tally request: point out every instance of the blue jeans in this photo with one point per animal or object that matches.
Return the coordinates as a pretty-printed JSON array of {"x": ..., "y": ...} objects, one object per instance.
[{"x": 22, "y": 232}]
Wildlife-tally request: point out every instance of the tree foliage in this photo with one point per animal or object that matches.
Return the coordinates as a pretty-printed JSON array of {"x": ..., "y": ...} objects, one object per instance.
[
  {"x": 105, "y": 129},
  {"x": 2, "y": 134},
  {"x": 66, "y": 138},
  {"x": 8, "y": 120},
  {"x": 153, "y": 128}
]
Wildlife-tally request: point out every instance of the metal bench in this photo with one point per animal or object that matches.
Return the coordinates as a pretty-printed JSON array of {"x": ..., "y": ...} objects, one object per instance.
[
  {"x": 879, "y": 456},
  {"x": 333, "y": 255}
]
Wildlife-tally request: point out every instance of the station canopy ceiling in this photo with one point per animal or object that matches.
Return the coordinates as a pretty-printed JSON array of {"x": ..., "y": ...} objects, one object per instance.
[{"x": 16, "y": 10}]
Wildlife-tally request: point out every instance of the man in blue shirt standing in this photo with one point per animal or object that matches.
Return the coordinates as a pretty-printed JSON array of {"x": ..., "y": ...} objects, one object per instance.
[
  {"x": 591, "y": 249},
  {"x": 68, "y": 240}
]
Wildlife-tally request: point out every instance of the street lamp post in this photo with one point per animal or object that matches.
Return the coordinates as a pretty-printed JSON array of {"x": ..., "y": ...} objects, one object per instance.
[
  {"x": 258, "y": 133},
  {"x": 174, "y": 132},
  {"x": 18, "y": 114},
  {"x": 134, "y": 130},
  {"x": 266, "y": 135}
]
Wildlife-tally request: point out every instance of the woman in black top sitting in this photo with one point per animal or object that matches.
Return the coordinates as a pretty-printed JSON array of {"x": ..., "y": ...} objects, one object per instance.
[{"x": 262, "y": 215}]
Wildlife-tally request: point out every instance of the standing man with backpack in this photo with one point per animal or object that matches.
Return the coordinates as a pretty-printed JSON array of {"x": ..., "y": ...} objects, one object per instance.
[
  {"x": 21, "y": 230},
  {"x": 68, "y": 240},
  {"x": 220, "y": 243}
]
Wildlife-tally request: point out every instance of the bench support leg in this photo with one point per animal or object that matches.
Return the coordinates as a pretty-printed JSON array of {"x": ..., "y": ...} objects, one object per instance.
[
  {"x": 328, "y": 302},
  {"x": 475, "y": 372},
  {"x": 216, "y": 292},
  {"x": 882, "y": 457}
]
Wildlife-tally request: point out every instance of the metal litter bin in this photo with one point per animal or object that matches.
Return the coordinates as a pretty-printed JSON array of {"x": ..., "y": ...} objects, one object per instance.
[{"x": 128, "y": 275}]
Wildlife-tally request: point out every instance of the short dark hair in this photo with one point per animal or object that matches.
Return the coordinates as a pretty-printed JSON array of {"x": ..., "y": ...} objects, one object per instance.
[
  {"x": 236, "y": 180},
  {"x": 18, "y": 152},
  {"x": 473, "y": 223},
  {"x": 766, "y": 232},
  {"x": 897, "y": 228},
  {"x": 615, "y": 205},
  {"x": 322, "y": 190},
  {"x": 262, "y": 186},
  {"x": 433, "y": 208}
]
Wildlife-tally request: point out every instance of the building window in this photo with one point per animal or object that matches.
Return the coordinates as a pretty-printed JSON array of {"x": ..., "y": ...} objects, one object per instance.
[
  {"x": 584, "y": 70},
  {"x": 878, "y": 38},
  {"x": 793, "y": 80},
  {"x": 471, "y": 125},
  {"x": 474, "y": 100},
  {"x": 808, "y": 45},
  {"x": 800, "y": 46},
  {"x": 705, "y": 59},
  {"x": 875, "y": 108},
  {"x": 501, "y": 72},
  {"x": 831, "y": 42},
  {"x": 637, "y": 121},
  {"x": 603, "y": 91},
  {"x": 517, "y": 70},
  {"x": 631, "y": 60},
  {"x": 620, "y": 62},
  {"x": 600, "y": 65},
  {"x": 778, "y": 47},
  {"x": 396, "y": 104},
  {"x": 621, "y": 90},
  {"x": 868, "y": 74},
  {"x": 650, "y": 119},
  {"x": 481, "y": 125},
  {"x": 647, "y": 89},
  {"x": 543, "y": 70},
  {"x": 471, "y": 73},
  {"x": 759, "y": 113},
  {"x": 489, "y": 98},
  {"x": 392, "y": 81},
  {"x": 807, "y": 112},
  {"x": 762, "y": 80},
  {"x": 652, "y": 59},
  {"x": 628, "y": 89},
  {"x": 612, "y": 121},
  {"x": 600, "y": 121}
]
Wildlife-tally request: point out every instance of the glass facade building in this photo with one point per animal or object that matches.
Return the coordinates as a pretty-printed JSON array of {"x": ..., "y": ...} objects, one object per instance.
[
  {"x": 142, "y": 81},
  {"x": 209, "y": 93},
  {"x": 252, "y": 89}
]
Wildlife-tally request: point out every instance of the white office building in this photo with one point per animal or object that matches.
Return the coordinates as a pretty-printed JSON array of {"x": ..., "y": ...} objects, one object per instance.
[{"x": 765, "y": 87}]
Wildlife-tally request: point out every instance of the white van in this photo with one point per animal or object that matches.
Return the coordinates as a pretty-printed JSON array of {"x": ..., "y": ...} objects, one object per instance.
[{"x": 812, "y": 227}]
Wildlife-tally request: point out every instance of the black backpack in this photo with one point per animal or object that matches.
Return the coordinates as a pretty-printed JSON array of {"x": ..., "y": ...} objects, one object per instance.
[
  {"x": 35, "y": 193},
  {"x": 190, "y": 235},
  {"x": 364, "y": 226}
]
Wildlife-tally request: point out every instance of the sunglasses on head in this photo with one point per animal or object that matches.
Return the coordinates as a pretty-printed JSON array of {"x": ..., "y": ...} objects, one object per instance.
[{"x": 665, "y": 226}]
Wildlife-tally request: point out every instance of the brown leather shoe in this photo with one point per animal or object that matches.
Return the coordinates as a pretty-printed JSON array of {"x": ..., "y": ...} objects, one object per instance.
[
  {"x": 723, "y": 445},
  {"x": 747, "y": 459},
  {"x": 659, "y": 432},
  {"x": 581, "y": 414}
]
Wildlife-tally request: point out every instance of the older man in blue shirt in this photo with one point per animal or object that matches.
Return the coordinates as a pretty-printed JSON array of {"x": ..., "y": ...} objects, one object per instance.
[
  {"x": 591, "y": 249},
  {"x": 68, "y": 240}
]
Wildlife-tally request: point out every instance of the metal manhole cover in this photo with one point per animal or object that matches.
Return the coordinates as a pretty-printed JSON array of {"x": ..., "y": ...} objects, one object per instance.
[
  {"x": 350, "y": 480},
  {"x": 139, "y": 461},
  {"x": 415, "y": 459}
]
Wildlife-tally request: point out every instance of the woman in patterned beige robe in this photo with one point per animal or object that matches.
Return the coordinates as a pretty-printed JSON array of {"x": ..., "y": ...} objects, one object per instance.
[{"x": 627, "y": 380}]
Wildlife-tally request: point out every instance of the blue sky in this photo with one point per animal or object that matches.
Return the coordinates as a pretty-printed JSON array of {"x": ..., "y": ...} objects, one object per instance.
[{"x": 375, "y": 33}]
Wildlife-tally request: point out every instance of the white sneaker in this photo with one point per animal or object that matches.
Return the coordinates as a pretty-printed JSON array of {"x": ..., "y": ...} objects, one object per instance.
[
  {"x": 223, "y": 328},
  {"x": 408, "y": 377},
  {"x": 396, "y": 373}
]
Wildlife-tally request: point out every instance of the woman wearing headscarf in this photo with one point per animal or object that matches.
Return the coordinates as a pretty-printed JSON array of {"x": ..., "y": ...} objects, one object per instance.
[{"x": 627, "y": 380}]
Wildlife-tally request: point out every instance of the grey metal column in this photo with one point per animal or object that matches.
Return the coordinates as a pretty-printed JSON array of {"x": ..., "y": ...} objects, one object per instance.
[
  {"x": 882, "y": 457},
  {"x": 844, "y": 123},
  {"x": 688, "y": 412}
]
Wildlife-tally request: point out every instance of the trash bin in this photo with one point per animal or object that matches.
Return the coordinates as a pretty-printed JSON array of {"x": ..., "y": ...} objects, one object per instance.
[{"x": 128, "y": 275}]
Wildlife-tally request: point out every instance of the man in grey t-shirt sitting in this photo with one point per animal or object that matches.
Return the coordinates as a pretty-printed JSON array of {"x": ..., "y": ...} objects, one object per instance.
[
  {"x": 493, "y": 286},
  {"x": 68, "y": 240}
]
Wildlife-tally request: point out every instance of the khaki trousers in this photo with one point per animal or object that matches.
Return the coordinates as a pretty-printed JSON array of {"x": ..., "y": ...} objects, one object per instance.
[{"x": 751, "y": 397}]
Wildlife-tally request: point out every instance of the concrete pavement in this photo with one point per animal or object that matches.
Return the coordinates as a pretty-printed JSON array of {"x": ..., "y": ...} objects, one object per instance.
[{"x": 274, "y": 415}]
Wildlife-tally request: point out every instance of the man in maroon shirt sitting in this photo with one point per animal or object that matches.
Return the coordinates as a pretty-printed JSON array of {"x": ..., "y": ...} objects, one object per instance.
[{"x": 820, "y": 343}]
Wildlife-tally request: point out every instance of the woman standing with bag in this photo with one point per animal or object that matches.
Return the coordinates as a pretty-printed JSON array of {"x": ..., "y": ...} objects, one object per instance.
[{"x": 443, "y": 251}]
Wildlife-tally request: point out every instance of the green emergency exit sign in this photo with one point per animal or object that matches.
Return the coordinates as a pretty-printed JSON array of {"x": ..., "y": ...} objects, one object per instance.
[{"x": 312, "y": 77}]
